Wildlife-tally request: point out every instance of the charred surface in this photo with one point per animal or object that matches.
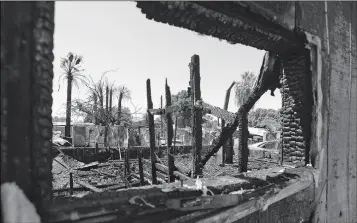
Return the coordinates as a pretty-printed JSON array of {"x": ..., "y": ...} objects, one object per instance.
[
  {"x": 231, "y": 21},
  {"x": 151, "y": 131}
]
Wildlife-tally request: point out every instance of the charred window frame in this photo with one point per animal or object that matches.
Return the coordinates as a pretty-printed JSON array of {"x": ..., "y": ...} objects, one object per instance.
[{"x": 38, "y": 149}]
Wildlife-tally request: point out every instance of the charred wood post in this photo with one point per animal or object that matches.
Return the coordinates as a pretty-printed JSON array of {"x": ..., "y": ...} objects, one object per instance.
[
  {"x": 71, "y": 183},
  {"x": 268, "y": 80},
  {"x": 151, "y": 132},
  {"x": 127, "y": 164},
  {"x": 174, "y": 150},
  {"x": 161, "y": 122},
  {"x": 195, "y": 80},
  {"x": 227, "y": 150},
  {"x": 170, "y": 157},
  {"x": 106, "y": 116},
  {"x": 140, "y": 155},
  {"x": 243, "y": 135},
  {"x": 96, "y": 149},
  {"x": 141, "y": 170}
]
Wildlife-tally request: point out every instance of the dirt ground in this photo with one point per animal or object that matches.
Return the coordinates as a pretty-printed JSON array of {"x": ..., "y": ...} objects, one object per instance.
[
  {"x": 214, "y": 168},
  {"x": 109, "y": 176}
]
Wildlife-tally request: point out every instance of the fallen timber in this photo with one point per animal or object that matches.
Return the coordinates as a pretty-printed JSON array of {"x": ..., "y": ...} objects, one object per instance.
[
  {"x": 178, "y": 175},
  {"x": 253, "y": 192}
]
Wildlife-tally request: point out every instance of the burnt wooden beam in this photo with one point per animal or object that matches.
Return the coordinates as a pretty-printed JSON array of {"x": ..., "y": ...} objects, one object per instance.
[
  {"x": 218, "y": 112},
  {"x": 70, "y": 183},
  {"x": 195, "y": 81},
  {"x": 170, "y": 157},
  {"x": 151, "y": 131},
  {"x": 161, "y": 123},
  {"x": 88, "y": 186},
  {"x": 161, "y": 175},
  {"x": 169, "y": 109},
  {"x": 141, "y": 173},
  {"x": 127, "y": 164},
  {"x": 227, "y": 150},
  {"x": 175, "y": 133},
  {"x": 157, "y": 111},
  {"x": 177, "y": 174}
]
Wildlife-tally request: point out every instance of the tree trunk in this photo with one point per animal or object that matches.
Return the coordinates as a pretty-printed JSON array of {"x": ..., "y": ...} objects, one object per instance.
[
  {"x": 119, "y": 107},
  {"x": 110, "y": 102},
  {"x": 106, "y": 115},
  {"x": 67, "y": 131},
  {"x": 95, "y": 109},
  {"x": 101, "y": 106}
]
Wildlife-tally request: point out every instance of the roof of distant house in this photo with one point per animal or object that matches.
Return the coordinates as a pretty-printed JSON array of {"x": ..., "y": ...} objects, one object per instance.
[{"x": 76, "y": 124}]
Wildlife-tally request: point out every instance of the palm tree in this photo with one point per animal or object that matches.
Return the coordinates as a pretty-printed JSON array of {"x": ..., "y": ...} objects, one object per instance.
[
  {"x": 244, "y": 88},
  {"x": 124, "y": 93},
  {"x": 71, "y": 66}
]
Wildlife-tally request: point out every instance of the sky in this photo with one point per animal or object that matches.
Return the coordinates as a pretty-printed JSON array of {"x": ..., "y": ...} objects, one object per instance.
[{"x": 114, "y": 35}]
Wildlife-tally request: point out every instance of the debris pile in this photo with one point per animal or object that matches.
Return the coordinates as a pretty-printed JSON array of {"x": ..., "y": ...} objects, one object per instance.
[{"x": 71, "y": 177}]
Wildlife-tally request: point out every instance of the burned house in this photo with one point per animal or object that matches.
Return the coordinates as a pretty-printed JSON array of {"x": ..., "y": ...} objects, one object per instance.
[{"x": 316, "y": 42}]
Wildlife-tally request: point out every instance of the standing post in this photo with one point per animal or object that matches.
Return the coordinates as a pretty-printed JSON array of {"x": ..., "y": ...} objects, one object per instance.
[
  {"x": 71, "y": 183},
  {"x": 141, "y": 170},
  {"x": 175, "y": 134},
  {"x": 196, "y": 114},
  {"x": 161, "y": 122},
  {"x": 170, "y": 157},
  {"x": 126, "y": 160},
  {"x": 151, "y": 132},
  {"x": 96, "y": 150},
  {"x": 140, "y": 155},
  {"x": 227, "y": 149}
]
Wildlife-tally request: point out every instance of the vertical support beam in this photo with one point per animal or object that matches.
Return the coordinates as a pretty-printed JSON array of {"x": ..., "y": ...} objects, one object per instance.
[
  {"x": 71, "y": 183},
  {"x": 127, "y": 164},
  {"x": 227, "y": 150},
  {"x": 141, "y": 169},
  {"x": 158, "y": 140},
  {"x": 196, "y": 115},
  {"x": 170, "y": 157},
  {"x": 96, "y": 149},
  {"x": 26, "y": 86},
  {"x": 151, "y": 132},
  {"x": 161, "y": 123},
  {"x": 174, "y": 150}
]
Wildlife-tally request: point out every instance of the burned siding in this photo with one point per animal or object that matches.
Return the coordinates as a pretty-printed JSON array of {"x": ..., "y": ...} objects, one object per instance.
[
  {"x": 26, "y": 124},
  {"x": 296, "y": 107}
]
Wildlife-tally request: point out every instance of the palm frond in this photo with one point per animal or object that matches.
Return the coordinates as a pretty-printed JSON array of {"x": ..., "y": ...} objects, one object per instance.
[{"x": 244, "y": 87}]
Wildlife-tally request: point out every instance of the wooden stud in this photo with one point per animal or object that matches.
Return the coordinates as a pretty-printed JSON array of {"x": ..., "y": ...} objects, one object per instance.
[
  {"x": 141, "y": 170},
  {"x": 70, "y": 183},
  {"x": 151, "y": 132},
  {"x": 226, "y": 154},
  {"x": 170, "y": 157},
  {"x": 196, "y": 115}
]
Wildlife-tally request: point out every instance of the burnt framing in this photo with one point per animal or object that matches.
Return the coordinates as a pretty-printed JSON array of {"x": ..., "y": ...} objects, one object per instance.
[{"x": 29, "y": 26}]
